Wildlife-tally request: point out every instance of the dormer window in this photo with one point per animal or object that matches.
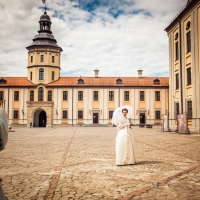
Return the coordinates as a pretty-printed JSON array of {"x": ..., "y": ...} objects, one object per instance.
[
  {"x": 80, "y": 81},
  {"x": 119, "y": 81},
  {"x": 156, "y": 82},
  {"x": 3, "y": 81}
]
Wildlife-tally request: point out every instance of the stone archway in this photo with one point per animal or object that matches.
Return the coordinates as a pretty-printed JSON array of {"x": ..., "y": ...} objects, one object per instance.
[{"x": 39, "y": 118}]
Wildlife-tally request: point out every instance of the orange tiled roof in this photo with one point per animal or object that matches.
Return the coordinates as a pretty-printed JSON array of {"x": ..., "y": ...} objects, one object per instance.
[
  {"x": 110, "y": 81},
  {"x": 91, "y": 81},
  {"x": 16, "y": 81}
]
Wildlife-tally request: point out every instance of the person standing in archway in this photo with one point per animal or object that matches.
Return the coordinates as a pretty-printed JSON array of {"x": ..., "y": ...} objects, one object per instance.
[{"x": 43, "y": 123}]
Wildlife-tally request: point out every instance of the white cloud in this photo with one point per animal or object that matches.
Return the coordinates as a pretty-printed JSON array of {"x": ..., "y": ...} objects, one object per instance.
[{"x": 116, "y": 46}]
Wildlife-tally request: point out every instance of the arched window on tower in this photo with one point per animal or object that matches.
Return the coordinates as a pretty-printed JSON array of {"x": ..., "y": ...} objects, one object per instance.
[
  {"x": 40, "y": 94},
  {"x": 49, "y": 95},
  {"x": 31, "y": 95},
  {"x": 41, "y": 74}
]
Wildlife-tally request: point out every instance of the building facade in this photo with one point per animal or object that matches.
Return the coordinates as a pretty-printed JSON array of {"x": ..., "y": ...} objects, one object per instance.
[
  {"x": 184, "y": 73},
  {"x": 45, "y": 97}
]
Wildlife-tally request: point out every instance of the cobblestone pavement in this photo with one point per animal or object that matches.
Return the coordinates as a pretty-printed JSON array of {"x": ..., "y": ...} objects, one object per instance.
[{"x": 79, "y": 163}]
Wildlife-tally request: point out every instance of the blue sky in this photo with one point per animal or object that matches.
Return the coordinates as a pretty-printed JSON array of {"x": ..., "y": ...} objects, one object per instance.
[{"x": 118, "y": 37}]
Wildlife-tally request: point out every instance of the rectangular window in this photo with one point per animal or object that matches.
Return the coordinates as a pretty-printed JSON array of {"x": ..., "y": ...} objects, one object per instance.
[
  {"x": 95, "y": 96},
  {"x": 31, "y": 58},
  {"x": 157, "y": 114},
  {"x": 52, "y": 59},
  {"x": 16, "y": 95},
  {"x": 111, "y": 114},
  {"x": 157, "y": 95},
  {"x": 52, "y": 76},
  {"x": 42, "y": 58},
  {"x": 15, "y": 114},
  {"x": 176, "y": 110},
  {"x": 189, "y": 109},
  {"x": 111, "y": 95},
  {"x": 142, "y": 96},
  {"x": 31, "y": 76},
  {"x": 80, "y": 95},
  {"x": 189, "y": 78},
  {"x": 64, "y": 114},
  {"x": 49, "y": 95},
  {"x": 1, "y": 95},
  {"x": 31, "y": 95},
  {"x": 65, "y": 95},
  {"x": 126, "y": 95},
  {"x": 176, "y": 51},
  {"x": 80, "y": 114},
  {"x": 188, "y": 36},
  {"x": 177, "y": 81}
]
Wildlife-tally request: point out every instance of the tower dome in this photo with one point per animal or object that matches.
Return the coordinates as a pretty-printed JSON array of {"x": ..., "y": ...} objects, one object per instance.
[{"x": 45, "y": 37}]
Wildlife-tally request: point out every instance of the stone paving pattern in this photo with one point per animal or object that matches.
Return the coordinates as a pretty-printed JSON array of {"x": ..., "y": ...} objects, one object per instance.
[{"x": 79, "y": 163}]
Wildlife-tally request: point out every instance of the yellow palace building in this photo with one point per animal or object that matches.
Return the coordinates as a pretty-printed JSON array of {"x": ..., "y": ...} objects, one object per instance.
[
  {"x": 184, "y": 65},
  {"x": 43, "y": 97}
]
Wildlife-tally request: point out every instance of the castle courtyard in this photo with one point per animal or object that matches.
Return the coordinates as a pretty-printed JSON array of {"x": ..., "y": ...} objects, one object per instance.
[{"x": 79, "y": 163}]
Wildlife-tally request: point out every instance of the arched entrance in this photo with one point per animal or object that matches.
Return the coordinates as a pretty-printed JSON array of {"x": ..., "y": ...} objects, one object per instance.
[{"x": 39, "y": 118}]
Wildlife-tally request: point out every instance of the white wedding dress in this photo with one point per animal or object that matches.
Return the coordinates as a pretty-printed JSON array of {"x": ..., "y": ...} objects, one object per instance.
[{"x": 124, "y": 144}]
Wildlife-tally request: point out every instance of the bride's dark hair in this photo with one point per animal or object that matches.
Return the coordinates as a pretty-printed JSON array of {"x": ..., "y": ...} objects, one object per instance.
[{"x": 124, "y": 109}]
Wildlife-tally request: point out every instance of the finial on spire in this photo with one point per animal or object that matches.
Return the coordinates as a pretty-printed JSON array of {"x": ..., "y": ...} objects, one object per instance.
[{"x": 44, "y": 2}]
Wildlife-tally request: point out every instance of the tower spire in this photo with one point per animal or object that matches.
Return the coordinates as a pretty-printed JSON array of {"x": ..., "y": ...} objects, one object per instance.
[{"x": 45, "y": 6}]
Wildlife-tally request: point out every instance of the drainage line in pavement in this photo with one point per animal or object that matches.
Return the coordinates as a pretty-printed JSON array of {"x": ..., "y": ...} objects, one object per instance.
[{"x": 56, "y": 176}]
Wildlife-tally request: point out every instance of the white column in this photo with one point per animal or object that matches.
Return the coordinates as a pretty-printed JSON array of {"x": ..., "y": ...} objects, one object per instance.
[
  {"x": 86, "y": 110},
  {"x": 163, "y": 111},
  {"x": 148, "y": 101},
  {"x": 137, "y": 107},
  {"x": 59, "y": 106},
  {"x": 55, "y": 99},
  {"x": 75, "y": 111},
  {"x": 132, "y": 101},
  {"x": 105, "y": 106},
  {"x": 152, "y": 106},
  {"x": 101, "y": 106},
  {"x": 90, "y": 97},
  {"x": 10, "y": 106},
  {"x": 70, "y": 106}
]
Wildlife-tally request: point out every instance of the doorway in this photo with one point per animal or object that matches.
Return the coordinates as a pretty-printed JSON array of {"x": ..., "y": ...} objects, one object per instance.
[
  {"x": 142, "y": 118},
  {"x": 95, "y": 118},
  {"x": 40, "y": 118}
]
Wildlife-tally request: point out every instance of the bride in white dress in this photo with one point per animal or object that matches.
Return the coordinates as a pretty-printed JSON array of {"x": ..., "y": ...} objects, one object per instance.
[{"x": 124, "y": 142}]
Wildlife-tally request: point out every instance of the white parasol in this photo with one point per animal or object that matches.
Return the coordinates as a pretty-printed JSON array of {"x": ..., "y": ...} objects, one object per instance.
[{"x": 118, "y": 113}]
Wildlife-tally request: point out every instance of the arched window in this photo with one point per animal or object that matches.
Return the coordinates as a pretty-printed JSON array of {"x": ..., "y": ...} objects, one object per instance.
[
  {"x": 41, "y": 74},
  {"x": 40, "y": 94},
  {"x": 80, "y": 81},
  {"x": 119, "y": 81},
  {"x": 49, "y": 95},
  {"x": 31, "y": 95}
]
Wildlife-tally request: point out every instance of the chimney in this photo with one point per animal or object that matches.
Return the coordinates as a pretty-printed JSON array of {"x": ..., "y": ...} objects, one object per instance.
[
  {"x": 140, "y": 73},
  {"x": 96, "y": 72}
]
